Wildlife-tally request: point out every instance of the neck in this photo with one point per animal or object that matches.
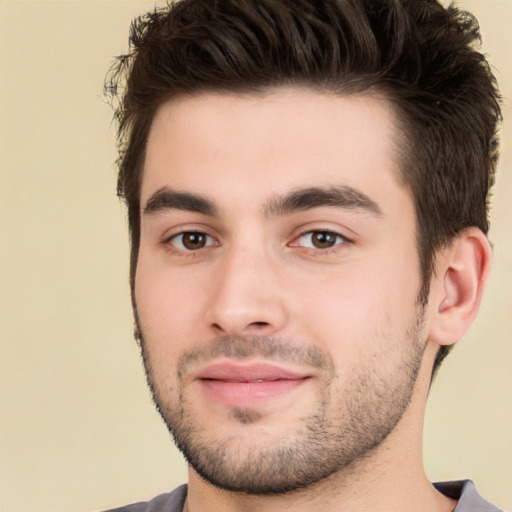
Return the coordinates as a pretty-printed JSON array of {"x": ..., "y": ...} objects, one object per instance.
[{"x": 389, "y": 480}]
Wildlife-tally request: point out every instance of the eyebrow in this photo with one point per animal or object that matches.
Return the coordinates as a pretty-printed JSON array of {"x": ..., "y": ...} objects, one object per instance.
[
  {"x": 299, "y": 200},
  {"x": 165, "y": 199},
  {"x": 315, "y": 197}
]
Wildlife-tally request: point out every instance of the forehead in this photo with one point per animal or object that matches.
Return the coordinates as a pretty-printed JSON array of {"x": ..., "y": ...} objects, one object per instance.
[{"x": 269, "y": 143}]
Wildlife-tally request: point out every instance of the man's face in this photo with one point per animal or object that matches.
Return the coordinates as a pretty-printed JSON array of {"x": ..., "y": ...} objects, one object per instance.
[{"x": 277, "y": 283}]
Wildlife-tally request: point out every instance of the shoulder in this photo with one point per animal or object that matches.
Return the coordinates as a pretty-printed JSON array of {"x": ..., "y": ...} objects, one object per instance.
[
  {"x": 168, "y": 502},
  {"x": 465, "y": 492}
]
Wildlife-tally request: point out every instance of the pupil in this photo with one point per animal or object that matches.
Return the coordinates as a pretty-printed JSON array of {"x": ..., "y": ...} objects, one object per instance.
[
  {"x": 323, "y": 239},
  {"x": 194, "y": 240}
]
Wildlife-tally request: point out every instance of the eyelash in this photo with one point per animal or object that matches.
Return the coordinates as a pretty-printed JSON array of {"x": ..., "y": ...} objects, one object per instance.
[
  {"x": 183, "y": 251},
  {"x": 340, "y": 240}
]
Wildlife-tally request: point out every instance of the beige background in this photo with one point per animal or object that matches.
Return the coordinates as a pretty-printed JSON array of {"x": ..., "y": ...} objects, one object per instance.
[{"x": 77, "y": 429}]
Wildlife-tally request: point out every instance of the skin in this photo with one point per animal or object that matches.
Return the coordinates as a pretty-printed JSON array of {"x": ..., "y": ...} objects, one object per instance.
[{"x": 257, "y": 275}]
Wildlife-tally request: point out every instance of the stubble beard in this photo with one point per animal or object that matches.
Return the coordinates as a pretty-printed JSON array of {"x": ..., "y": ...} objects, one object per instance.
[{"x": 347, "y": 426}]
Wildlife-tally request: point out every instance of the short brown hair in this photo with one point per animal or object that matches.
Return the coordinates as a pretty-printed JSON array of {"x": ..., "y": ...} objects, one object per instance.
[{"x": 422, "y": 57}]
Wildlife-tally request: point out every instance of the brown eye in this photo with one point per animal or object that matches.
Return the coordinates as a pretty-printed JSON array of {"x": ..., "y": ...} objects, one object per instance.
[
  {"x": 320, "y": 239},
  {"x": 191, "y": 240}
]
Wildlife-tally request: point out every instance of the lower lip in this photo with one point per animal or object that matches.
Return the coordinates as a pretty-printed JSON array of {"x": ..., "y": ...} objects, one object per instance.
[{"x": 246, "y": 394}]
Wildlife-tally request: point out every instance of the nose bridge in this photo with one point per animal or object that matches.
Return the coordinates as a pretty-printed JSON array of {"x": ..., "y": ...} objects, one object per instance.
[{"x": 246, "y": 296}]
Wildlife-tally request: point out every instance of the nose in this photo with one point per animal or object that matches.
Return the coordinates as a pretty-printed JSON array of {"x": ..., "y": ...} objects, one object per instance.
[{"x": 246, "y": 296}]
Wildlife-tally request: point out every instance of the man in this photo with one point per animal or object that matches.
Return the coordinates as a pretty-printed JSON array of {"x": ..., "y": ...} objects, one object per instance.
[{"x": 307, "y": 188}]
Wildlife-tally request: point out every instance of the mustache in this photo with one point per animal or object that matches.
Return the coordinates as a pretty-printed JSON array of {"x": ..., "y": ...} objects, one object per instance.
[{"x": 269, "y": 348}]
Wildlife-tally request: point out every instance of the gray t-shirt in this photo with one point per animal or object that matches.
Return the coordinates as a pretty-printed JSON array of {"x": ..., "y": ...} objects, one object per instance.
[{"x": 464, "y": 491}]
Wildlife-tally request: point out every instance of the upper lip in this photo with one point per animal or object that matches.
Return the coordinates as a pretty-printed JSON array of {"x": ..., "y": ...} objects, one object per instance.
[{"x": 247, "y": 372}]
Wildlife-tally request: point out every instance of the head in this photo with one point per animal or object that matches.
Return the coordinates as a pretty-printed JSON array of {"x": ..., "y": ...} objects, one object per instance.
[
  {"x": 418, "y": 55},
  {"x": 294, "y": 173}
]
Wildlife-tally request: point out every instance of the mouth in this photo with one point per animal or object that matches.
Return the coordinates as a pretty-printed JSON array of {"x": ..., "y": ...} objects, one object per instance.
[{"x": 247, "y": 385}]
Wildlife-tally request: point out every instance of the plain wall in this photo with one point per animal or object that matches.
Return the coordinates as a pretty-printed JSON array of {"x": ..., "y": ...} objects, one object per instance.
[{"x": 77, "y": 428}]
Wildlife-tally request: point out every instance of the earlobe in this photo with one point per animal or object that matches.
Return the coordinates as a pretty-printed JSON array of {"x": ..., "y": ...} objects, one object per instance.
[{"x": 462, "y": 271}]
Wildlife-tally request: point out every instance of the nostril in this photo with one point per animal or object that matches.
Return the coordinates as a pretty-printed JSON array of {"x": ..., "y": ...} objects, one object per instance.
[
  {"x": 256, "y": 326},
  {"x": 259, "y": 324}
]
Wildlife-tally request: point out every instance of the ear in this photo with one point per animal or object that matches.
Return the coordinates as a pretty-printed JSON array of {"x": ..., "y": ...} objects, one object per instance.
[{"x": 462, "y": 270}]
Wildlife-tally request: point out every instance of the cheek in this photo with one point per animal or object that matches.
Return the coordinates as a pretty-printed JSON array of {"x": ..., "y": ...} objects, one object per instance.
[
  {"x": 354, "y": 310},
  {"x": 168, "y": 308}
]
